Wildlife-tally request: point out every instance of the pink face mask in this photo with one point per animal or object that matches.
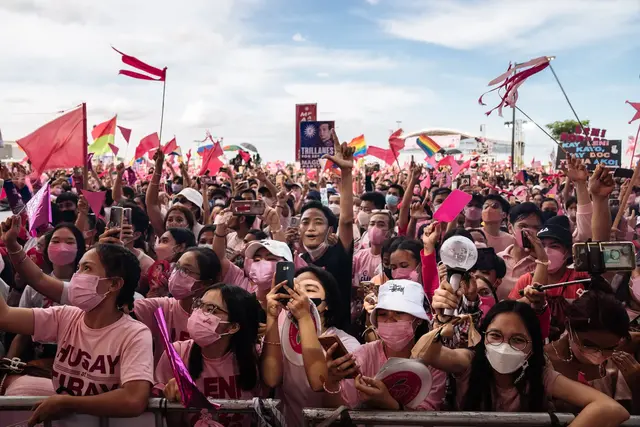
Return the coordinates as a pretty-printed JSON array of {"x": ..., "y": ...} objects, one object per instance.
[
  {"x": 492, "y": 215},
  {"x": 261, "y": 273},
  {"x": 518, "y": 237},
  {"x": 180, "y": 284},
  {"x": 584, "y": 356},
  {"x": 83, "y": 291},
  {"x": 396, "y": 335},
  {"x": 164, "y": 252},
  {"x": 203, "y": 327},
  {"x": 486, "y": 303},
  {"x": 472, "y": 213},
  {"x": 557, "y": 259},
  {"x": 376, "y": 235},
  {"x": 405, "y": 273},
  {"x": 62, "y": 253}
]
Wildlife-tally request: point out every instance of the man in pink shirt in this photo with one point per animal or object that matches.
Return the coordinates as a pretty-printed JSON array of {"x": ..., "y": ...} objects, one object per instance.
[
  {"x": 367, "y": 261},
  {"x": 494, "y": 210}
]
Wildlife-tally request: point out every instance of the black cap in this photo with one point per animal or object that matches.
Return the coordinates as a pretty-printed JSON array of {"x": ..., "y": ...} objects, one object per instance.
[{"x": 557, "y": 228}]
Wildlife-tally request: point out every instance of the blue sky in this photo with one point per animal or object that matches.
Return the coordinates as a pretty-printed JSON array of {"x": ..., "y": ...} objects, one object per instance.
[{"x": 239, "y": 67}]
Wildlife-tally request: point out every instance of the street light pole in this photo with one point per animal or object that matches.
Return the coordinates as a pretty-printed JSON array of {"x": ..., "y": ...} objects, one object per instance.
[{"x": 513, "y": 139}]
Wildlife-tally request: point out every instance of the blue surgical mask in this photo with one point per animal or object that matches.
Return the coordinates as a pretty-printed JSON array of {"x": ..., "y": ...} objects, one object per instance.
[{"x": 392, "y": 200}]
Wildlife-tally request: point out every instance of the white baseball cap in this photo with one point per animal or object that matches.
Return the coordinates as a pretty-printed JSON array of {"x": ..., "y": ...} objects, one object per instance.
[
  {"x": 276, "y": 247},
  {"x": 401, "y": 295},
  {"x": 192, "y": 195}
]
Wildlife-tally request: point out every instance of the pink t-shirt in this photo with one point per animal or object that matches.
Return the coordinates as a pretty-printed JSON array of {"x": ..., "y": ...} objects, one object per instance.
[
  {"x": 235, "y": 276},
  {"x": 371, "y": 358},
  {"x": 365, "y": 266},
  {"x": 500, "y": 242},
  {"x": 174, "y": 315},
  {"x": 220, "y": 379},
  {"x": 504, "y": 399},
  {"x": 94, "y": 361}
]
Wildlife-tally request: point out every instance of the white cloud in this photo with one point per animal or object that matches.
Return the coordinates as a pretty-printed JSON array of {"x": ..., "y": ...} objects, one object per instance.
[
  {"x": 531, "y": 25},
  {"x": 220, "y": 76},
  {"x": 297, "y": 37},
  {"x": 373, "y": 2}
]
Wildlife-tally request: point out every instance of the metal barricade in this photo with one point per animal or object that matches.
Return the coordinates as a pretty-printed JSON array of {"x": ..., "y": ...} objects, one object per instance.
[
  {"x": 157, "y": 408},
  {"x": 316, "y": 416}
]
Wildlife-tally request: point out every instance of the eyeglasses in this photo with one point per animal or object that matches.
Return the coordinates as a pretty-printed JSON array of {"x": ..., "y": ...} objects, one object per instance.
[
  {"x": 380, "y": 211},
  {"x": 206, "y": 307},
  {"x": 517, "y": 342},
  {"x": 184, "y": 270}
]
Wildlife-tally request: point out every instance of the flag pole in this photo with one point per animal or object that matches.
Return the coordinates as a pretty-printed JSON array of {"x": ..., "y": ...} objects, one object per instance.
[
  {"x": 164, "y": 87},
  {"x": 567, "y": 98},
  {"x": 635, "y": 143},
  {"x": 85, "y": 172}
]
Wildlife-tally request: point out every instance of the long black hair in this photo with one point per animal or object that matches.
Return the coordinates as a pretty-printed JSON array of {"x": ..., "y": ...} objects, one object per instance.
[
  {"x": 481, "y": 378},
  {"x": 80, "y": 245},
  {"x": 243, "y": 308},
  {"x": 208, "y": 263},
  {"x": 120, "y": 262},
  {"x": 334, "y": 315}
]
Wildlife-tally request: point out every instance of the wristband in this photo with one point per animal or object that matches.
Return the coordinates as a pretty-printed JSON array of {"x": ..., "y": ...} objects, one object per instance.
[
  {"x": 545, "y": 263},
  {"x": 217, "y": 235},
  {"x": 16, "y": 252},
  {"x": 324, "y": 386},
  {"x": 270, "y": 343}
]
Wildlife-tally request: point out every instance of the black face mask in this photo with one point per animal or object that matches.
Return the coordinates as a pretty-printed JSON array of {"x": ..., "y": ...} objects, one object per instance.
[
  {"x": 547, "y": 215},
  {"x": 317, "y": 301},
  {"x": 387, "y": 271},
  {"x": 67, "y": 216}
]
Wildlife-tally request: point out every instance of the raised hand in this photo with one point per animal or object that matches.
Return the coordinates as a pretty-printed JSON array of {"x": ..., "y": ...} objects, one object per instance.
[
  {"x": 11, "y": 230},
  {"x": 343, "y": 154},
  {"x": 601, "y": 183},
  {"x": 575, "y": 170}
]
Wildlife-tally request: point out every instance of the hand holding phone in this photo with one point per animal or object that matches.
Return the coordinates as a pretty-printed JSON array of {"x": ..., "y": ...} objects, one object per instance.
[
  {"x": 343, "y": 364},
  {"x": 285, "y": 272}
]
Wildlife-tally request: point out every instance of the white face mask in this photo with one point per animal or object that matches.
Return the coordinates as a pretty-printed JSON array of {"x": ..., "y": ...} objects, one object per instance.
[
  {"x": 505, "y": 359},
  {"x": 205, "y": 245}
]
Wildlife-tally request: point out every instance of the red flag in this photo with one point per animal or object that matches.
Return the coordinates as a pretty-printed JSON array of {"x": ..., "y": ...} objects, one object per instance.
[
  {"x": 385, "y": 154},
  {"x": 170, "y": 147},
  {"x": 114, "y": 149},
  {"x": 447, "y": 161},
  {"x": 188, "y": 155},
  {"x": 126, "y": 133},
  {"x": 95, "y": 199},
  {"x": 160, "y": 75},
  {"x": 395, "y": 142},
  {"x": 245, "y": 156},
  {"x": 61, "y": 143},
  {"x": 635, "y": 105},
  {"x": 210, "y": 160},
  {"x": 146, "y": 144},
  {"x": 426, "y": 182}
]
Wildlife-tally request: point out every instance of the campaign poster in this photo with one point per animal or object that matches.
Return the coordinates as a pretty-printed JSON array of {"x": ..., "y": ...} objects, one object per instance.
[
  {"x": 605, "y": 151},
  {"x": 315, "y": 142},
  {"x": 304, "y": 113}
]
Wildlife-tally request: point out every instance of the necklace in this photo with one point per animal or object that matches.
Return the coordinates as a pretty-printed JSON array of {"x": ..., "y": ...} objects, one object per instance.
[{"x": 553, "y": 344}]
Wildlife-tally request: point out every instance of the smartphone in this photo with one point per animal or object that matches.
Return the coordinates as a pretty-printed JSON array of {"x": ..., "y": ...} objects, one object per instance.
[
  {"x": 91, "y": 221},
  {"x": 115, "y": 219},
  {"x": 330, "y": 340},
  {"x": 295, "y": 221},
  {"x": 126, "y": 216},
  {"x": 368, "y": 287},
  {"x": 206, "y": 179},
  {"x": 597, "y": 258},
  {"x": 247, "y": 207},
  {"x": 285, "y": 271},
  {"x": 623, "y": 173},
  {"x": 526, "y": 243}
]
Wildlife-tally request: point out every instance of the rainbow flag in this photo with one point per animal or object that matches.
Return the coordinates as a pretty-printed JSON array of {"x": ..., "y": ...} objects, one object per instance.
[
  {"x": 428, "y": 145},
  {"x": 103, "y": 135},
  {"x": 360, "y": 146}
]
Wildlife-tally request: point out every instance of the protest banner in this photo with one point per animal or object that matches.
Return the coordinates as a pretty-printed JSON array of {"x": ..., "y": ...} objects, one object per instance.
[
  {"x": 315, "y": 142},
  {"x": 590, "y": 146},
  {"x": 304, "y": 113}
]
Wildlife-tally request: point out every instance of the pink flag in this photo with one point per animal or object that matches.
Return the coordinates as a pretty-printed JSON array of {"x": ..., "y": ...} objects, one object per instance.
[
  {"x": 114, "y": 149},
  {"x": 553, "y": 191},
  {"x": 95, "y": 200},
  {"x": 426, "y": 182},
  {"x": 126, "y": 133},
  {"x": 153, "y": 73},
  {"x": 58, "y": 144},
  {"x": 146, "y": 144},
  {"x": 170, "y": 147},
  {"x": 39, "y": 209},
  {"x": 245, "y": 156},
  {"x": 395, "y": 142},
  {"x": 635, "y": 105},
  {"x": 431, "y": 161},
  {"x": 452, "y": 206},
  {"x": 191, "y": 396},
  {"x": 188, "y": 155},
  {"x": 385, "y": 154},
  {"x": 447, "y": 161},
  {"x": 210, "y": 160}
]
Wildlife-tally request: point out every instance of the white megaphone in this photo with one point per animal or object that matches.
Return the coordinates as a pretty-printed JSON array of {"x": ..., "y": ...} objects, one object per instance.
[{"x": 459, "y": 254}]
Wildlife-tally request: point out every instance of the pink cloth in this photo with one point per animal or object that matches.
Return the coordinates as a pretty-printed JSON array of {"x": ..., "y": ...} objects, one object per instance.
[
  {"x": 220, "y": 379},
  {"x": 174, "y": 314},
  {"x": 365, "y": 266},
  {"x": 235, "y": 276},
  {"x": 94, "y": 361},
  {"x": 504, "y": 399},
  {"x": 514, "y": 271},
  {"x": 27, "y": 385},
  {"x": 430, "y": 279},
  {"x": 371, "y": 358},
  {"x": 500, "y": 242},
  {"x": 582, "y": 233}
]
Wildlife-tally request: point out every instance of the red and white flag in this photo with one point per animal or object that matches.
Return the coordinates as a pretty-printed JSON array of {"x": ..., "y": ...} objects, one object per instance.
[{"x": 152, "y": 73}]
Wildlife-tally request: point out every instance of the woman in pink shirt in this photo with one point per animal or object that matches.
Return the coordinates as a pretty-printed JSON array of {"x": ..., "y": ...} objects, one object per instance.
[
  {"x": 400, "y": 319},
  {"x": 221, "y": 354},
  {"x": 507, "y": 371},
  {"x": 104, "y": 363},
  {"x": 170, "y": 247}
]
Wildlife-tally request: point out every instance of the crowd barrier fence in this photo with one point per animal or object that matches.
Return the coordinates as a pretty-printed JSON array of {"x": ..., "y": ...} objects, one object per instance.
[
  {"x": 15, "y": 411},
  {"x": 320, "y": 417}
]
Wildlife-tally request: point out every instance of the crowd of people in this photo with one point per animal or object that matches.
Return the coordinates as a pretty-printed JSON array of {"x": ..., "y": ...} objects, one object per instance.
[{"x": 77, "y": 299}]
